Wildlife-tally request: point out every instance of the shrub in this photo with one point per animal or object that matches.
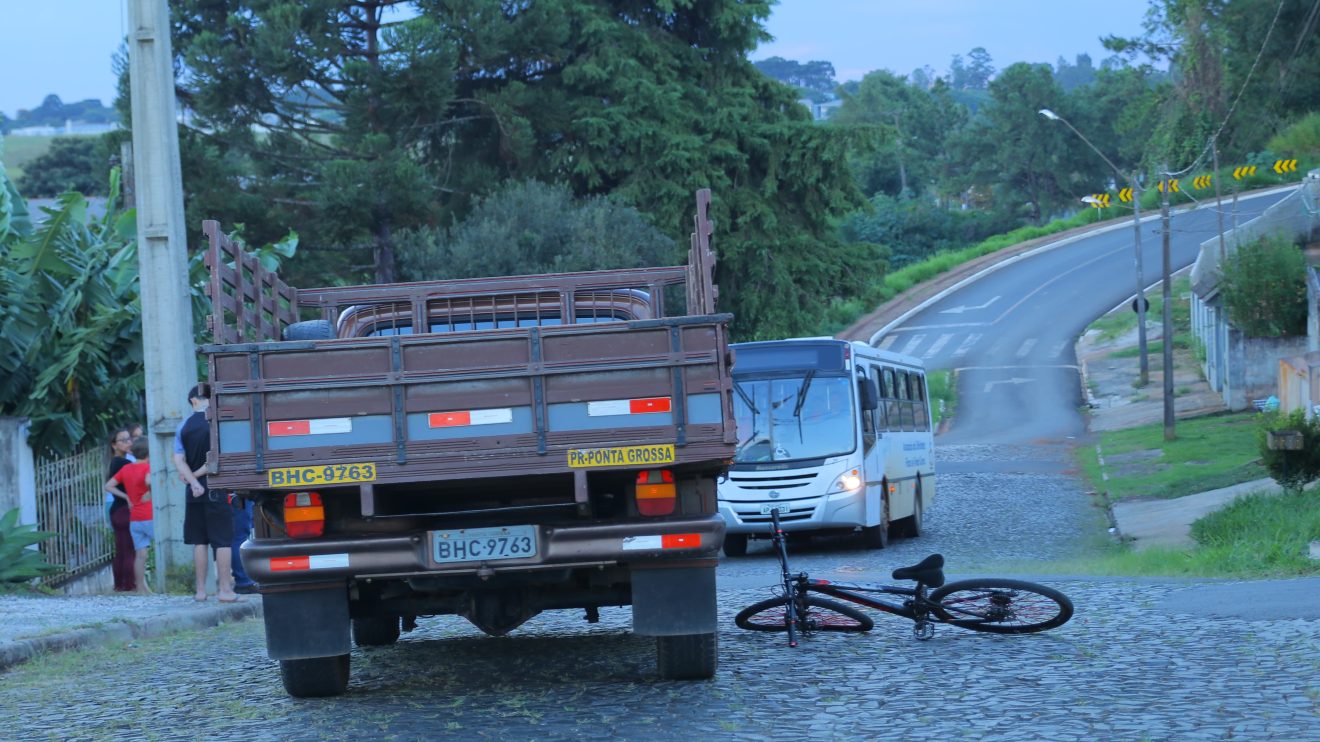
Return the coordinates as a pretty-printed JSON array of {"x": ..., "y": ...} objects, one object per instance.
[
  {"x": 19, "y": 564},
  {"x": 1293, "y": 470},
  {"x": 1264, "y": 287}
]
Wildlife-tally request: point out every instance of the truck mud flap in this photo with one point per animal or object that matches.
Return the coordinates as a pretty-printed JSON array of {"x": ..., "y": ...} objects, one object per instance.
[
  {"x": 301, "y": 624},
  {"x": 671, "y": 602}
]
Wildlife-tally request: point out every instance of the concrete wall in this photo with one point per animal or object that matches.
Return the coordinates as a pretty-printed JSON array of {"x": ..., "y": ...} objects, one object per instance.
[
  {"x": 1240, "y": 368},
  {"x": 18, "y": 470}
]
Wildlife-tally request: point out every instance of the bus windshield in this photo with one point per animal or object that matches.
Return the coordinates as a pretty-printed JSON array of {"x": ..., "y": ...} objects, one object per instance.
[{"x": 801, "y": 417}]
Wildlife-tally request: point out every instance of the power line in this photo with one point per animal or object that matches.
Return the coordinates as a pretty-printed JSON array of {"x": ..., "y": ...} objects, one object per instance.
[{"x": 1259, "y": 53}]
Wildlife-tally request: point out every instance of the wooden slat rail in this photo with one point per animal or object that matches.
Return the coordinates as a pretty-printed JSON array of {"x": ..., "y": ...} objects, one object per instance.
[{"x": 261, "y": 307}]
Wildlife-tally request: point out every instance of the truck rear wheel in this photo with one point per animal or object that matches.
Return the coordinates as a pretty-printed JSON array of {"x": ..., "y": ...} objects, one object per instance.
[
  {"x": 375, "y": 631},
  {"x": 687, "y": 657},
  {"x": 315, "y": 677},
  {"x": 735, "y": 544}
]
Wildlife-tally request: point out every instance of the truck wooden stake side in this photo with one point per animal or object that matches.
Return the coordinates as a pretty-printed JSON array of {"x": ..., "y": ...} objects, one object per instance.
[{"x": 489, "y": 448}]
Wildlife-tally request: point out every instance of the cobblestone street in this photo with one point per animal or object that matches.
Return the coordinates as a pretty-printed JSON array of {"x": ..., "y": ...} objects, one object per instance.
[{"x": 1133, "y": 664}]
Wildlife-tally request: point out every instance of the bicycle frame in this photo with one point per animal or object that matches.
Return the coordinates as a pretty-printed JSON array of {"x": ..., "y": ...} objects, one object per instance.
[{"x": 916, "y": 607}]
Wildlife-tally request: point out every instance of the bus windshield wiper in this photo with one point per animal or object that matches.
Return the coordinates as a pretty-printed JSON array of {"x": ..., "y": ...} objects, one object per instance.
[
  {"x": 746, "y": 399},
  {"x": 801, "y": 399}
]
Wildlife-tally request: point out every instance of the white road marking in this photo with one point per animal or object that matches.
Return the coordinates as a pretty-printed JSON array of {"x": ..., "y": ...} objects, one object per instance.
[
  {"x": 912, "y": 344},
  {"x": 1027, "y": 345},
  {"x": 937, "y": 346},
  {"x": 1014, "y": 381},
  {"x": 1057, "y": 349},
  {"x": 963, "y": 308},
  {"x": 967, "y": 345},
  {"x": 888, "y": 341}
]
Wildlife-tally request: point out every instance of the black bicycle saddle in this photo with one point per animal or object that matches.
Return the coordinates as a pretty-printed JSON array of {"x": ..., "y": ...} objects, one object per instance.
[{"x": 929, "y": 571}]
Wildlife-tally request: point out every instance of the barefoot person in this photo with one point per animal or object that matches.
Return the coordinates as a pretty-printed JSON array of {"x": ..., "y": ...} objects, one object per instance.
[{"x": 207, "y": 518}]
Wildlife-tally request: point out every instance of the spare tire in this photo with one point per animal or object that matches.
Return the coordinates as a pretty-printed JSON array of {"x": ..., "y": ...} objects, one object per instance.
[{"x": 315, "y": 329}]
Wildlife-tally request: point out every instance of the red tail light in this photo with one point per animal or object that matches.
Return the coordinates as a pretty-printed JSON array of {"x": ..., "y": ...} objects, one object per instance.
[
  {"x": 304, "y": 515},
  {"x": 656, "y": 493}
]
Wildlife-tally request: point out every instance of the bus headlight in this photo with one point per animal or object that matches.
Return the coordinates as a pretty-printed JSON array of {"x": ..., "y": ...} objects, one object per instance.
[{"x": 848, "y": 481}]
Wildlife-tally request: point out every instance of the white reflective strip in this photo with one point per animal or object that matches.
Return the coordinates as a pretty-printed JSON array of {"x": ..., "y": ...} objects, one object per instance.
[
  {"x": 490, "y": 417},
  {"x": 328, "y": 561},
  {"x": 631, "y": 543},
  {"x": 610, "y": 407},
  {"x": 330, "y": 425}
]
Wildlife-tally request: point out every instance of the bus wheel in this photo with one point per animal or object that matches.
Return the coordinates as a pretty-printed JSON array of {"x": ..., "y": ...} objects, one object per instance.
[
  {"x": 912, "y": 524},
  {"x": 877, "y": 536},
  {"x": 735, "y": 544}
]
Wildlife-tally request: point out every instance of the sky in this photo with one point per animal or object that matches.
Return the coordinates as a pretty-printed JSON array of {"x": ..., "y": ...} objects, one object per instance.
[{"x": 65, "y": 46}]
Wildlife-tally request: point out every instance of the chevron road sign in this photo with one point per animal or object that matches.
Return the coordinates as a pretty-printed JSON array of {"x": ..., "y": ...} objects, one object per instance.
[
  {"x": 1125, "y": 195},
  {"x": 1241, "y": 172},
  {"x": 1201, "y": 181},
  {"x": 1285, "y": 166},
  {"x": 1173, "y": 185},
  {"x": 1097, "y": 200}
]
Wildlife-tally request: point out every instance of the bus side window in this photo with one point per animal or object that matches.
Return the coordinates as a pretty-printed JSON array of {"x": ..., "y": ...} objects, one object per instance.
[
  {"x": 868, "y": 416},
  {"x": 890, "y": 393},
  {"x": 882, "y": 386},
  {"x": 908, "y": 419},
  {"x": 922, "y": 406}
]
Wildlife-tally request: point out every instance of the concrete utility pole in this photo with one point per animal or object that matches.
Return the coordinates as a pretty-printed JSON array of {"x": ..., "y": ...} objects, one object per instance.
[
  {"x": 1169, "y": 433},
  {"x": 167, "y": 337}
]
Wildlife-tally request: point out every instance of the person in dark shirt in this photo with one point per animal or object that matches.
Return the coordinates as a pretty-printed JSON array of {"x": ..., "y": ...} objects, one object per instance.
[
  {"x": 121, "y": 566},
  {"x": 207, "y": 517}
]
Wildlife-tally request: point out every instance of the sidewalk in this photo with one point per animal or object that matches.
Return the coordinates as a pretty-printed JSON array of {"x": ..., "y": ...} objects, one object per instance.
[
  {"x": 35, "y": 624},
  {"x": 1117, "y": 404}
]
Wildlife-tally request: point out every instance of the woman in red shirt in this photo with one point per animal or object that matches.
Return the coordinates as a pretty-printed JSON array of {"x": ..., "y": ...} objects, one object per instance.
[{"x": 136, "y": 482}]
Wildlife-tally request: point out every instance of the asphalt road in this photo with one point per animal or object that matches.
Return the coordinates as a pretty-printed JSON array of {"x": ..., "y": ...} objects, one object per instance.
[{"x": 1010, "y": 333}]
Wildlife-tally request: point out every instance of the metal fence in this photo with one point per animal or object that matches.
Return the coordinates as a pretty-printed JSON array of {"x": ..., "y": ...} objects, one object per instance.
[{"x": 71, "y": 504}]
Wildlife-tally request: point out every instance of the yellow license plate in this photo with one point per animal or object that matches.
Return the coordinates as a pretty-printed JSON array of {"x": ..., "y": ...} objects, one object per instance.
[
  {"x": 312, "y": 476},
  {"x": 581, "y": 458}
]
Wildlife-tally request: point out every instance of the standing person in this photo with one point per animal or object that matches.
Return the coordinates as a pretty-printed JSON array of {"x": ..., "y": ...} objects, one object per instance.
[
  {"x": 242, "y": 529},
  {"x": 207, "y": 518},
  {"x": 135, "y": 480},
  {"x": 121, "y": 566}
]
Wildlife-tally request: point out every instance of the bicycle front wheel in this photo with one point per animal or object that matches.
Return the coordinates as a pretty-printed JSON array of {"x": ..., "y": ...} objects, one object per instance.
[
  {"x": 820, "y": 615},
  {"x": 1001, "y": 606}
]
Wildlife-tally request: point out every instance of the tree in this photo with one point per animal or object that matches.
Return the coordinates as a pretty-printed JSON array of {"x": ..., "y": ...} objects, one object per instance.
[
  {"x": 1216, "y": 49},
  {"x": 972, "y": 74},
  {"x": 642, "y": 101},
  {"x": 911, "y": 125},
  {"x": 532, "y": 227},
  {"x": 1014, "y": 150},
  {"x": 815, "y": 79},
  {"x": 1070, "y": 76},
  {"x": 79, "y": 164},
  {"x": 353, "y": 104},
  {"x": 1264, "y": 288},
  {"x": 1292, "y": 469}
]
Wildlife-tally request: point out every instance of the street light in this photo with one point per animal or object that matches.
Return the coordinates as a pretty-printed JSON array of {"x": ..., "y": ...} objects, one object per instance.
[{"x": 1136, "y": 236}]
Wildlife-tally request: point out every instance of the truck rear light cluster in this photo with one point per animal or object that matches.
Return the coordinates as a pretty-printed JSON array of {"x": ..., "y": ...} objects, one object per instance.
[
  {"x": 304, "y": 515},
  {"x": 656, "y": 493}
]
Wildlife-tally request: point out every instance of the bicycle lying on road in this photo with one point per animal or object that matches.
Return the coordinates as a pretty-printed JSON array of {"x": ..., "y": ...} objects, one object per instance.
[{"x": 994, "y": 605}]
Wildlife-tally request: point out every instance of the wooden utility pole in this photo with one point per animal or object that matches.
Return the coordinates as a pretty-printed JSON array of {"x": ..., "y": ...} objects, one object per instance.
[
  {"x": 1169, "y": 433},
  {"x": 167, "y": 338}
]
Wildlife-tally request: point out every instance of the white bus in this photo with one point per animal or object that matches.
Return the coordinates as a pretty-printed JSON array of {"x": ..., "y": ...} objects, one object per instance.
[{"x": 835, "y": 435}]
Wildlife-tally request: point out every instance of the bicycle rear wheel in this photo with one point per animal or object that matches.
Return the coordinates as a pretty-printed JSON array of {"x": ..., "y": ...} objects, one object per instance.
[
  {"x": 820, "y": 615},
  {"x": 1001, "y": 606}
]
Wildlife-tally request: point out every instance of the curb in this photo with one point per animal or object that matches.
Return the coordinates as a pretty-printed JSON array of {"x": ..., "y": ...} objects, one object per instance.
[{"x": 121, "y": 631}]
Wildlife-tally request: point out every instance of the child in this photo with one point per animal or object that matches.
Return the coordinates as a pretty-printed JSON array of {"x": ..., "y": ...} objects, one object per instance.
[{"x": 137, "y": 488}]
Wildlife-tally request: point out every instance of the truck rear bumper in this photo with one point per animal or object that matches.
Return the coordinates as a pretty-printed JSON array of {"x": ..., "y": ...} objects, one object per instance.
[{"x": 659, "y": 542}]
